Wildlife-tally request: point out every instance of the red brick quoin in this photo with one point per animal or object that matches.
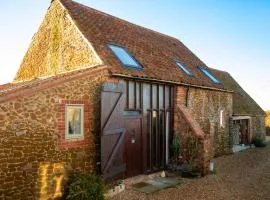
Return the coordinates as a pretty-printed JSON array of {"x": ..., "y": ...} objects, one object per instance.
[{"x": 73, "y": 143}]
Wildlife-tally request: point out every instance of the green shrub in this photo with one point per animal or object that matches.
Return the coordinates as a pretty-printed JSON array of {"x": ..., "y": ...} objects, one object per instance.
[
  {"x": 258, "y": 142},
  {"x": 176, "y": 145},
  {"x": 215, "y": 169},
  {"x": 86, "y": 187}
]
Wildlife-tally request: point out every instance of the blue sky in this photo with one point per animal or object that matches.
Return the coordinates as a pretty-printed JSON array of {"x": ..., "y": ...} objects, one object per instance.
[{"x": 229, "y": 35}]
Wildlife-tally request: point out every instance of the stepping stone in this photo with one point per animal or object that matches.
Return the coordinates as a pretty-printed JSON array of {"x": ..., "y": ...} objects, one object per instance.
[
  {"x": 156, "y": 184},
  {"x": 145, "y": 188},
  {"x": 170, "y": 181}
]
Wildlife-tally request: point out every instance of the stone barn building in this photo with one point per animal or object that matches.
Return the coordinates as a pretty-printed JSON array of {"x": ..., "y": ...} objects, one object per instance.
[{"x": 95, "y": 93}]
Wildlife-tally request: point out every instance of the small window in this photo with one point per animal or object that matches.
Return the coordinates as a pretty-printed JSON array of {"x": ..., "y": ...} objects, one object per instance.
[
  {"x": 74, "y": 121},
  {"x": 209, "y": 75},
  {"x": 124, "y": 56},
  {"x": 184, "y": 68},
  {"x": 221, "y": 118}
]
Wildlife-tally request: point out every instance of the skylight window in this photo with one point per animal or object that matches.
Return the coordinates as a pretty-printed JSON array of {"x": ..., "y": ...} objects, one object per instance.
[
  {"x": 183, "y": 67},
  {"x": 124, "y": 56},
  {"x": 209, "y": 75}
]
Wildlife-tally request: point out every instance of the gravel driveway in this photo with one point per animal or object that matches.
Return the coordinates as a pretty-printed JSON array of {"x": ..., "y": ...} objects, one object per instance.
[{"x": 244, "y": 175}]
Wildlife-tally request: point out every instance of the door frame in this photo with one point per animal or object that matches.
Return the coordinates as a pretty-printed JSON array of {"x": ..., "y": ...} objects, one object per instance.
[{"x": 249, "y": 131}]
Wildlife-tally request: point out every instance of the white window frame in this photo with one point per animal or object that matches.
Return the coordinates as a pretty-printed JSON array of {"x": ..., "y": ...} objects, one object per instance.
[
  {"x": 74, "y": 136},
  {"x": 184, "y": 68},
  {"x": 221, "y": 118},
  {"x": 209, "y": 74},
  {"x": 138, "y": 66}
]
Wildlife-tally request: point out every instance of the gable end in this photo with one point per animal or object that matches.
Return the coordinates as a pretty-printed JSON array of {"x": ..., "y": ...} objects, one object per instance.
[{"x": 57, "y": 47}]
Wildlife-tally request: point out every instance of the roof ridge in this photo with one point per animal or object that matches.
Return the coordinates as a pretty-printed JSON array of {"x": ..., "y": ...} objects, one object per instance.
[
  {"x": 219, "y": 70},
  {"x": 120, "y": 19}
]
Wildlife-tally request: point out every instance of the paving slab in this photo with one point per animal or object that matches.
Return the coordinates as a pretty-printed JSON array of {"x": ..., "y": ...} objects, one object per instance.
[{"x": 155, "y": 184}]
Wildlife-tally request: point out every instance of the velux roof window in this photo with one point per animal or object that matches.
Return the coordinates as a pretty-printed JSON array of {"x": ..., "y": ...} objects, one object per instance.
[
  {"x": 184, "y": 68},
  {"x": 209, "y": 75},
  {"x": 124, "y": 56}
]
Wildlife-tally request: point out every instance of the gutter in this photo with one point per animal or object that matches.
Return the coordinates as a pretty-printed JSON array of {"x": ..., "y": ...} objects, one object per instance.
[{"x": 171, "y": 82}]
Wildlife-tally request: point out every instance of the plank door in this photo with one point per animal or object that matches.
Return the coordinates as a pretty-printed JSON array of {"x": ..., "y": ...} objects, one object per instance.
[
  {"x": 133, "y": 145},
  {"x": 113, "y": 164}
]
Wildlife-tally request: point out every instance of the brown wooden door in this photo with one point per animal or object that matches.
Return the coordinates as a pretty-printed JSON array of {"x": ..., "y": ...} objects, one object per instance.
[
  {"x": 133, "y": 146},
  {"x": 244, "y": 129},
  {"x": 112, "y": 131}
]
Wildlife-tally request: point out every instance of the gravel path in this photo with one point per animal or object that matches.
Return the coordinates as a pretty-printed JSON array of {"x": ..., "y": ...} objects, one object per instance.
[{"x": 242, "y": 176}]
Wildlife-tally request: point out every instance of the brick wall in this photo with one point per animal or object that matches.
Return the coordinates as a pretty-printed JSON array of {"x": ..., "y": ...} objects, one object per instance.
[
  {"x": 258, "y": 128},
  {"x": 34, "y": 157},
  {"x": 204, "y": 106}
]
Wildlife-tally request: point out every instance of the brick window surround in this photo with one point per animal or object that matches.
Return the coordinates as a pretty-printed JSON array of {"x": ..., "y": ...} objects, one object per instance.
[{"x": 61, "y": 117}]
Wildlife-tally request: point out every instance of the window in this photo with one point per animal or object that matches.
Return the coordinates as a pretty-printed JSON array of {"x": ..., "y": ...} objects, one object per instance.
[
  {"x": 221, "y": 118},
  {"x": 74, "y": 121},
  {"x": 183, "y": 67},
  {"x": 209, "y": 75},
  {"x": 124, "y": 56}
]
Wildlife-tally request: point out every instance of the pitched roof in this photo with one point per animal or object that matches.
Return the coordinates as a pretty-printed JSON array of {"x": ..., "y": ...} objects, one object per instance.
[
  {"x": 243, "y": 103},
  {"x": 21, "y": 89},
  {"x": 5, "y": 86},
  {"x": 155, "y": 51}
]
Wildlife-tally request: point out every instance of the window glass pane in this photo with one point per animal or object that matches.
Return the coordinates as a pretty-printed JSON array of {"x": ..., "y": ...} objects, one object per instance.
[
  {"x": 146, "y": 97},
  {"x": 124, "y": 56},
  {"x": 161, "y": 96},
  {"x": 131, "y": 113},
  {"x": 167, "y": 136},
  {"x": 209, "y": 75},
  {"x": 74, "y": 120},
  {"x": 184, "y": 68},
  {"x": 154, "y": 96},
  {"x": 138, "y": 95},
  {"x": 221, "y": 116},
  {"x": 162, "y": 136},
  {"x": 131, "y": 93},
  {"x": 167, "y": 97},
  {"x": 154, "y": 137},
  {"x": 126, "y": 94}
]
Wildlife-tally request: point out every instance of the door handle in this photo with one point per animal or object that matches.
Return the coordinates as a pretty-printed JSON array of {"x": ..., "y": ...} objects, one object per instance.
[{"x": 133, "y": 139}]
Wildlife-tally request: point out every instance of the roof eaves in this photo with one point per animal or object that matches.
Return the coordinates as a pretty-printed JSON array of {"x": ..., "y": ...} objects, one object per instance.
[
  {"x": 33, "y": 86},
  {"x": 171, "y": 82}
]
